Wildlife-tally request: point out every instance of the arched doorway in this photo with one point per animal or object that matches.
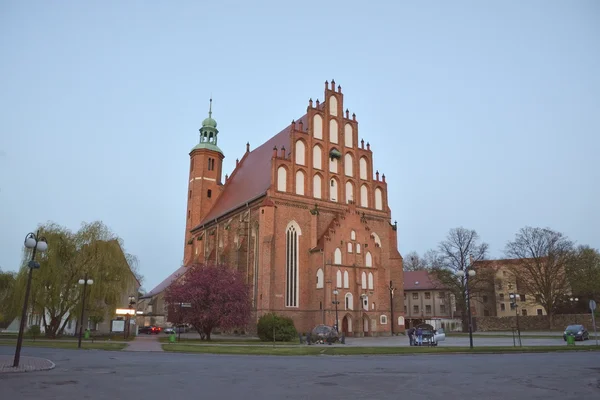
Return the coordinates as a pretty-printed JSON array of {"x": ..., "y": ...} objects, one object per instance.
[
  {"x": 347, "y": 325},
  {"x": 365, "y": 325}
]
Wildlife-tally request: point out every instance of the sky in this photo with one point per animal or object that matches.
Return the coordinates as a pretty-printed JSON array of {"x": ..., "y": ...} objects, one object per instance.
[{"x": 484, "y": 115}]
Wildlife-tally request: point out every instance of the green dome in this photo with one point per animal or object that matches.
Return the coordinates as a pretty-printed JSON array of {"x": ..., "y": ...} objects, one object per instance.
[{"x": 209, "y": 123}]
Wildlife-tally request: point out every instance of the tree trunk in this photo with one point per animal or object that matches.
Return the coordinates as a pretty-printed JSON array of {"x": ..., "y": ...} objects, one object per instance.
[
  {"x": 207, "y": 333},
  {"x": 550, "y": 320}
]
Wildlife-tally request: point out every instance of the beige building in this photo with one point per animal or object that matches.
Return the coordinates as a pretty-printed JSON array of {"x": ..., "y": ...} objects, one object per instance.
[
  {"x": 497, "y": 302},
  {"x": 427, "y": 301},
  {"x": 152, "y": 305}
]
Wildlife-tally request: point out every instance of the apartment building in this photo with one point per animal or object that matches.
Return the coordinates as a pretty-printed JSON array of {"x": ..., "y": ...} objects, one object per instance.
[{"x": 426, "y": 300}]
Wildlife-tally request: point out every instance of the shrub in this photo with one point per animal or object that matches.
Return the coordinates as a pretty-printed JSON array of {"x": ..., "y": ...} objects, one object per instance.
[
  {"x": 282, "y": 327},
  {"x": 34, "y": 330}
]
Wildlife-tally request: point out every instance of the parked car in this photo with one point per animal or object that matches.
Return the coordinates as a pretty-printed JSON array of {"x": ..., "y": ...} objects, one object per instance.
[
  {"x": 578, "y": 331},
  {"x": 149, "y": 330},
  {"x": 431, "y": 336}
]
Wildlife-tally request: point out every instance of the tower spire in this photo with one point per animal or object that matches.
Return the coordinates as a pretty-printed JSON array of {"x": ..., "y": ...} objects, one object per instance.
[{"x": 210, "y": 107}]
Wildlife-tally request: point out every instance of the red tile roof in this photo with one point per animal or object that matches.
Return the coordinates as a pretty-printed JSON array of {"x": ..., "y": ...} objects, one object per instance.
[
  {"x": 164, "y": 284},
  {"x": 252, "y": 177},
  {"x": 421, "y": 280}
]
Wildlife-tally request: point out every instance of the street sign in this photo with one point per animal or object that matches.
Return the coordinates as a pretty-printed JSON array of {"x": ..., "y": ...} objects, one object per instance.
[
  {"x": 185, "y": 305},
  {"x": 592, "y": 305}
]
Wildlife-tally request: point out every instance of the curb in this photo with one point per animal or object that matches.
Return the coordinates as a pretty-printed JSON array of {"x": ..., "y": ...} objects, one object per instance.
[{"x": 47, "y": 367}]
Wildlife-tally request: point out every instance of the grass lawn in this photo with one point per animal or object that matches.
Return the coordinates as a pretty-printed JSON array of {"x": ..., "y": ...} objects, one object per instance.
[
  {"x": 165, "y": 339},
  {"x": 338, "y": 350},
  {"x": 60, "y": 344}
]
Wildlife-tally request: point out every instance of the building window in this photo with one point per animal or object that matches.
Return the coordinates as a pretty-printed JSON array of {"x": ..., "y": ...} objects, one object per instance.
[
  {"x": 427, "y": 295},
  {"x": 346, "y": 280},
  {"x": 209, "y": 193},
  {"x": 442, "y": 308},
  {"x": 522, "y": 297},
  {"x": 338, "y": 280},
  {"x": 368, "y": 260},
  {"x": 291, "y": 292},
  {"x": 349, "y": 301},
  {"x": 363, "y": 168},
  {"x": 539, "y": 311},
  {"x": 320, "y": 278},
  {"x": 281, "y": 179},
  {"x": 415, "y": 309},
  {"x": 486, "y": 313},
  {"x": 366, "y": 303},
  {"x": 442, "y": 295},
  {"x": 349, "y": 247},
  {"x": 364, "y": 280},
  {"x": 357, "y": 248},
  {"x": 428, "y": 309},
  {"x": 190, "y": 195},
  {"x": 524, "y": 312},
  {"x": 501, "y": 295},
  {"x": 378, "y": 199},
  {"x": 300, "y": 152},
  {"x": 333, "y": 190},
  {"x": 485, "y": 299},
  {"x": 352, "y": 235},
  {"x": 211, "y": 164},
  {"x": 415, "y": 296},
  {"x": 370, "y": 281},
  {"x": 189, "y": 214},
  {"x": 405, "y": 310},
  {"x": 502, "y": 307},
  {"x": 337, "y": 256},
  {"x": 383, "y": 319}
]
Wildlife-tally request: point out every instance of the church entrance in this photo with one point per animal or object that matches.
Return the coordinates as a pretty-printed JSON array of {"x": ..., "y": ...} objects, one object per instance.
[
  {"x": 347, "y": 325},
  {"x": 365, "y": 325}
]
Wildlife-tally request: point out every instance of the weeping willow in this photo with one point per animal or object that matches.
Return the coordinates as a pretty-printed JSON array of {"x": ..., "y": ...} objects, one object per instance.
[{"x": 93, "y": 252}]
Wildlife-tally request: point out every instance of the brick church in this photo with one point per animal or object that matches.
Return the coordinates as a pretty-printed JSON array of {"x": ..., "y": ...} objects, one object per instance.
[{"x": 305, "y": 217}]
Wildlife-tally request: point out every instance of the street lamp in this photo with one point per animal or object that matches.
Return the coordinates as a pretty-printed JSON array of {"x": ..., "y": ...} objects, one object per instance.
[
  {"x": 391, "y": 288},
  {"x": 131, "y": 303},
  {"x": 85, "y": 282},
  {"x": 336, "y": 302},
  {"x": 574, "y": 301},
  {"x": 36, "y": 243},
  {"x": 513, "y": 304},
  {"x": 470, "y": 273}
]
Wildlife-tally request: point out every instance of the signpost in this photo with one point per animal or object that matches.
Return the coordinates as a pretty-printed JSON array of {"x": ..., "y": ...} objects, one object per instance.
[
  {"x": 592, "y": 309},
  {"x": 181, "y": 305}
]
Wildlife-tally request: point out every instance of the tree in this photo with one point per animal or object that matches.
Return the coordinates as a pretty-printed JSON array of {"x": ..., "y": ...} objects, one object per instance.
[
  {"x": 542, "y": 271},
  {"x": 413, "y": 262},
  {"x": 461, "y": 249},
  {"x": 583, "y": 272},
  {"x": 7, "y": 291},
  {"x": 93, "y": 251},
  {"x": 218, "y": 295}
]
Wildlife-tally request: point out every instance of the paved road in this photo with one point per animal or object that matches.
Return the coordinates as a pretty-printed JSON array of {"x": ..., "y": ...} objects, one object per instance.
[
  {"x": 99, "y": 375},
  {"x": 461, "y": 341}
]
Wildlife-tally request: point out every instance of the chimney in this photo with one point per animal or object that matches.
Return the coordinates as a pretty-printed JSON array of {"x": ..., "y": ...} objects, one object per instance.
[
  {"x": 368, "y": 146},
  {"x": 283, "y": 152},
  {"x": 362, "y": 143},
  {"x": 383, "y": 178},
  {"x": 275, "y": 152},
  {"x": 377, "y": 176},
  {"x": 347, "y": 114}
]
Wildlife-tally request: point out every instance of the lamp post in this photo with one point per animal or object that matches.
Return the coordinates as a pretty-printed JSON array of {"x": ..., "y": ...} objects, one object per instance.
[
  {"x": 513, "y": 303},
  {"x": 128, "y": 327},
  {"x": 85, "y": 282},
  {"x": 469, "y": 273},
  {"x": 36, "y": 243},
  {"x": 336, "y": 302},
  {"x": 391, "y": 288},
  {"x": 574, "y": 301}
]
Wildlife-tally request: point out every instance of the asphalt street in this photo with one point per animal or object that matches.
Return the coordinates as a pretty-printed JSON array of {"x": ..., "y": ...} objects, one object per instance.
[
  {"x": 97, "y": 375},
  {"x": 463, "y": 341}
]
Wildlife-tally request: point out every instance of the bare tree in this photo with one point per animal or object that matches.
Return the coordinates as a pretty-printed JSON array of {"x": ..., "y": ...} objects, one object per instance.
[
  {"x": 458, "y": 252},
  {"x": 542, "y": 272},
  {"x": 413, "y": 262}
]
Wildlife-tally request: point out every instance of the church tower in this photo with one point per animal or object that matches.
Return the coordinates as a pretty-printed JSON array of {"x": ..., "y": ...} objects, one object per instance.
[{"x": 204, "y": 188}]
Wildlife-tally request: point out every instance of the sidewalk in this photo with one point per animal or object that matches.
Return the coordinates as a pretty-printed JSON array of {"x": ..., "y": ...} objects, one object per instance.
[
  {"x": 26, "y": 364},
  {"x": 144, "y": 343}
]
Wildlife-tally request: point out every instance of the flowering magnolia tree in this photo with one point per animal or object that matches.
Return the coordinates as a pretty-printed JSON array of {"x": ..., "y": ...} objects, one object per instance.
[{"x": 218, "y": 296}]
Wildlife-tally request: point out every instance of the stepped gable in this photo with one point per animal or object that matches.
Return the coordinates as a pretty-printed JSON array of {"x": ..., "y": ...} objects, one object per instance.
[
  {"x": 351, "y": 217},
  {"x": 252, "y": 177}
]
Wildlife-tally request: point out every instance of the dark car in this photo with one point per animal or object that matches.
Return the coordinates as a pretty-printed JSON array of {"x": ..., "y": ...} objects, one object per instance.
[
  {"x": 149, "y": 330},
  {"x": 578, "y": 331}
]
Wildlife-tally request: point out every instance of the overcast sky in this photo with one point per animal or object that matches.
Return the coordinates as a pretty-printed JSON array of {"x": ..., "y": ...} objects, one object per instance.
[{"x": 480, "y": 114}]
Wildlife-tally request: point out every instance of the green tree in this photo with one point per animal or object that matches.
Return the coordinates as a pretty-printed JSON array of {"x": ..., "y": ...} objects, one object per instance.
[
  {"x": 583, "y": 272},
  {"x": 7, "y": 290},
  {"x": 93, "y": 251},
  {"x": 545, "y": 256}
]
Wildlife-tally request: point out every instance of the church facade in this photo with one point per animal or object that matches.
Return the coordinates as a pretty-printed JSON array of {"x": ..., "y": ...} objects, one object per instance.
[{"x": 305, "y": 218}]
